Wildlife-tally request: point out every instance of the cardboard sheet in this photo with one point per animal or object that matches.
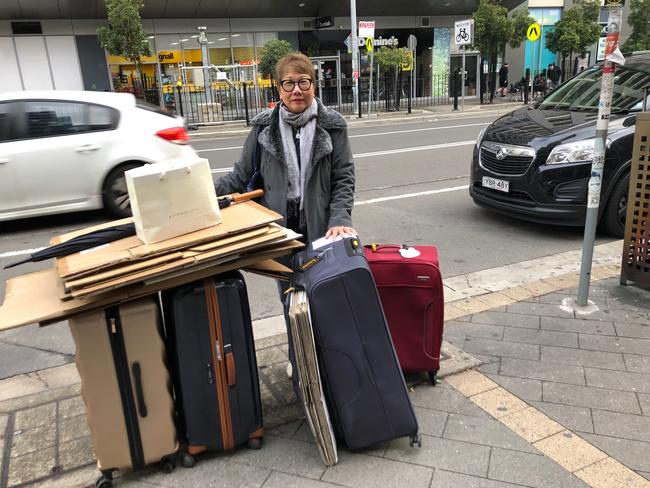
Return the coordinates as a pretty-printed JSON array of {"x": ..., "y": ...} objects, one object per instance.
[
  {"x": 34, "y": 297},
  {"x": 188, "y": 259},
  {"x": 270, "y": 269},
  {"x": 124, "y": 269},
  {"x": 309, "y": 379},
  {"x": 236, "y": 219}
]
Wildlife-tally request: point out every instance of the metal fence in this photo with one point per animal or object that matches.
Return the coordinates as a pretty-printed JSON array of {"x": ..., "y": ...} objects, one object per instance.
[{"x": 234, "y": 101}]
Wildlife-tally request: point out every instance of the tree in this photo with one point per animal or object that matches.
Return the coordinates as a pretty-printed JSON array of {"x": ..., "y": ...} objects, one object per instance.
[
  {"x": 392, "y": 59},
  {"x": 124, "y": 36},
  {"x": 273, "y": 50},
  {"x": 639, "y": 20},
  {"x": 493, "y": 30},
  {"x": 575, "y": 31}
]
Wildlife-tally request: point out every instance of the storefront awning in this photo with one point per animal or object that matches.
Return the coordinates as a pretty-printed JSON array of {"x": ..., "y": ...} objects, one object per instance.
[{"x": 184, "y": 9}]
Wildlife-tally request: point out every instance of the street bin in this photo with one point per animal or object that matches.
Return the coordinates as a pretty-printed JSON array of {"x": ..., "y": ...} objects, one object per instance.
[{"x": 636, "y": 251}]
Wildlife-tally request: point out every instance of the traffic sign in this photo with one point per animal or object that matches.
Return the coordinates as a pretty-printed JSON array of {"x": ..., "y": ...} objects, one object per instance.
[
  {"x": 369, "y": 44},
  {"x": 348, "y": 43},
  {"x": 534, "y": 32},
  {"x": 366, "y": 28},
  {"x": 464, "y": 32}
]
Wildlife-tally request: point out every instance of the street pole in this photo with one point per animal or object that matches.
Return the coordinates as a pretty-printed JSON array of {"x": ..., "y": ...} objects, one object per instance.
[
  {"x": 462, "y": 82},
  {"x": 355, "y": 53},
  {"x": 602, "y": 125},
  {"x": 372, "y": 59}
]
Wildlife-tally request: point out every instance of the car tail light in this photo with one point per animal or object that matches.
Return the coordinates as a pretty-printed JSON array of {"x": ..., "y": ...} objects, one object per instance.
[{"x": 176, "y": 135}]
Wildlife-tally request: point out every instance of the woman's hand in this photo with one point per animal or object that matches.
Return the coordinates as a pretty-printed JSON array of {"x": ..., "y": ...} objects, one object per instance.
[{"x": 341, "y": 230}]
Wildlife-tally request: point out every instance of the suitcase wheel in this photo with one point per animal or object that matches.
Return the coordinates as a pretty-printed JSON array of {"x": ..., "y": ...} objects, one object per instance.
[
  {"x": 187, "y": 460},
  {"x": 415, "y": 439},
  {"x": 104, "y": 482},
  {"x": 433, "y": 377},
  {"x": 167, "y": 465},
  {"x": 255, "y": 443}
]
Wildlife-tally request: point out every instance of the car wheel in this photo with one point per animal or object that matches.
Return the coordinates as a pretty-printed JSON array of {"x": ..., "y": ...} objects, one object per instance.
[
  {"x": 613, "y": 218},
  {"x": 116, "y": 196}
]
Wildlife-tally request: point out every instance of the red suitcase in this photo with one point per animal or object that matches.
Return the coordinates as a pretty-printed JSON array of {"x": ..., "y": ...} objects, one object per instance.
[{"x": 410, "y": 290}]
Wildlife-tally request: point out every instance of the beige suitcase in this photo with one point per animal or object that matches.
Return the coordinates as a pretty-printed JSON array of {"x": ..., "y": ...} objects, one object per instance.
[{"x": 126, "y": 387}]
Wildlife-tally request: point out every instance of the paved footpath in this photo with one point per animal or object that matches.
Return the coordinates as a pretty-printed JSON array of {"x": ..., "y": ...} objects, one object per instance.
[{"x": 532, "y": 395}]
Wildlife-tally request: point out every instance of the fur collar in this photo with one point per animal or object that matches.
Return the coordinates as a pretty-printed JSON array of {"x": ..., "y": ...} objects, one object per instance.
[{"x": 271, "y": 139}]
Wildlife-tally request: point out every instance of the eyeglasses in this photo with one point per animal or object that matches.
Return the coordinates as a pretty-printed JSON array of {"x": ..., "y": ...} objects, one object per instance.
[{"x": 303, "y": 83}]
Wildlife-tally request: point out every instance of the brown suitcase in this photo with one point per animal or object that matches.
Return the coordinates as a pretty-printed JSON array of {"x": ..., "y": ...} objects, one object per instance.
[{"x": 126, "y": 387}]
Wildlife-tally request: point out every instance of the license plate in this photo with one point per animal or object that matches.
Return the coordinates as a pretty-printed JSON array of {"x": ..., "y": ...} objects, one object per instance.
[{"x": 495, "y": 184}]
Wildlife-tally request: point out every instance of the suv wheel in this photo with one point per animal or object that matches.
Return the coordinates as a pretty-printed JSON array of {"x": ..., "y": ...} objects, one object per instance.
[
  {"x": 116, "y": 196},
  {"x": 613, "y": 218}
]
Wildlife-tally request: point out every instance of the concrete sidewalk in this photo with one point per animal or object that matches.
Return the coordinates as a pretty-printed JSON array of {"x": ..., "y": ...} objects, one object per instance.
[{"x": 532, "y": 395}]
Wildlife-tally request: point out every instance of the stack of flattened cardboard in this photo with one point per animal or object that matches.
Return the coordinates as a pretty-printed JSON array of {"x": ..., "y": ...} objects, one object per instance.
[
  {"x": 312, "y": 393},
  {"x": 247, "y": 238}
]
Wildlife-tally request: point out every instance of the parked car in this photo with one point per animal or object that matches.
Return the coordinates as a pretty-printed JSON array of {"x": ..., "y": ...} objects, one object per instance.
[
  {"x": 535, "y": 162},
  {"x": 67, "y": 151}
]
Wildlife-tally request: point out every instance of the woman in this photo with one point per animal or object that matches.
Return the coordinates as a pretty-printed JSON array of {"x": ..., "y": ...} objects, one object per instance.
[
  {"x": 305, "y": 161},
  {"x": 305, "y": 158}
]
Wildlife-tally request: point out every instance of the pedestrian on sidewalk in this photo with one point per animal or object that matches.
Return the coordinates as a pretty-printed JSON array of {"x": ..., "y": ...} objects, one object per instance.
[
  {"x": 503, "y": 79},
  {"x": 304, "y": 160}
]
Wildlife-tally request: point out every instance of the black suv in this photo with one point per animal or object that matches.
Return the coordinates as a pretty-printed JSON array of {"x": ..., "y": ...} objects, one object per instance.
[{"x": 535, "y": 162}]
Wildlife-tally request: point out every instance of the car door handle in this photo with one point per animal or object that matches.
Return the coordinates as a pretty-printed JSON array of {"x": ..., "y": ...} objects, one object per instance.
[
  {"x": 4, "y": 161},
  {"x": 87, "y": 148}
]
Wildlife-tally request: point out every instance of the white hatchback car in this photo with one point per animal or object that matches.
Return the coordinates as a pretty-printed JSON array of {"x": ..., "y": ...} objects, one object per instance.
[{"x": 67, "y": 151}]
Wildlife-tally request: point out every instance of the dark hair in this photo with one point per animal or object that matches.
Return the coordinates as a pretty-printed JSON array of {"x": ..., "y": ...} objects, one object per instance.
[{"x": 297, "y": 62}]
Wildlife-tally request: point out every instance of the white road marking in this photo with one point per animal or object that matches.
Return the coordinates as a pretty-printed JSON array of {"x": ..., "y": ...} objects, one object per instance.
[
  {"x": 411, "y": 195},
  {"x": 387, "y": 152},
  {"x": 11, "y": 254},
  {"x": 374, "y": 134},
  {"x": 412, "y": 149},
  {"x": 418, "y": 130}
]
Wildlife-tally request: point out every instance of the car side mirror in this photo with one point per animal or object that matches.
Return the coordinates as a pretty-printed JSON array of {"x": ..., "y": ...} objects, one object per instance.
[{"x": 630, "y": 121}]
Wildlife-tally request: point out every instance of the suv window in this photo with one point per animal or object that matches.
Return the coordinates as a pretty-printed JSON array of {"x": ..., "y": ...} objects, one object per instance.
[{"x": 45, "y": 118}]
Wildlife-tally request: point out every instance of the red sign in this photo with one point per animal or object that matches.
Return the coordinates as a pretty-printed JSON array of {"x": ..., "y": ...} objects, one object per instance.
[
  {"x": 355, "y": 75},
  {"x": 610, "y": 46}
]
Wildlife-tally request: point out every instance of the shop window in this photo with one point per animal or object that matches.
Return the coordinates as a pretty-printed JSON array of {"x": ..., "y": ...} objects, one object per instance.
[
  {"x": 219, "y": 49},
  {"x": 243, "y": 48}
]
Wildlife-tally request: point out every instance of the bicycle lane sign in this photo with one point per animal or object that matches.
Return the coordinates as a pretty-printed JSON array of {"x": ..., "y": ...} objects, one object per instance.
[{"x": 464, "y": 32}]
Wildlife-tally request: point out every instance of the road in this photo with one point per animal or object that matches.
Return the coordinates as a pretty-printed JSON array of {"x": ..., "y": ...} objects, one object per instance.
[{"x": 411, "y": 188}]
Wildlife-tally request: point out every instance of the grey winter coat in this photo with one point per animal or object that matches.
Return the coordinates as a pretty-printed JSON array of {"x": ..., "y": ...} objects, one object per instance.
[{"x": 329, "y": 182}]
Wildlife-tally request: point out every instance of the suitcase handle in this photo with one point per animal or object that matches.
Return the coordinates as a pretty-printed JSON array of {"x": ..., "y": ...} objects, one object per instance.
[
  {"x": 231, "y": 374},
  {"x": 384, "y": 247},
  {"x": 139, "y": 392}
]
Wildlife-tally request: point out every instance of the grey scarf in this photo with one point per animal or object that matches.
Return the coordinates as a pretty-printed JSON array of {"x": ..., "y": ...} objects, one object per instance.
[{"x": 305, "y": 122}]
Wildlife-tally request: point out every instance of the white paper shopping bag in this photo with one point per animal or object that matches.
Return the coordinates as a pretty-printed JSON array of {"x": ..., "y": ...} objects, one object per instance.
[{"x": 172, "y": 198}]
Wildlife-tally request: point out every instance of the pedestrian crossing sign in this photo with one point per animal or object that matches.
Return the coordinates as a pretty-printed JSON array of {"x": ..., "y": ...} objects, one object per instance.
[{"x": 534, "y": 32}]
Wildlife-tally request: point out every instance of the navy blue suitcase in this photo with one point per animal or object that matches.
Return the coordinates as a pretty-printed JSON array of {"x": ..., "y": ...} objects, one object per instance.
[{"x": 364, "y": 387}]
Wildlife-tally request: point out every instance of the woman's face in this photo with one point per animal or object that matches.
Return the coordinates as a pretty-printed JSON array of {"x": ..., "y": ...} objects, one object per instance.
[{"x": 297, "y": 99}]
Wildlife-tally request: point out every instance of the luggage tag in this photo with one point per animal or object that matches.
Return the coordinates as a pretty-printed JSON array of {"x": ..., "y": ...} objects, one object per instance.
[{"x": 409, "y": 252}]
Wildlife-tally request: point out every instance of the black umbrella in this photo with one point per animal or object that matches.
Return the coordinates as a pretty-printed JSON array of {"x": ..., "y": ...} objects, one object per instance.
[
  {"x": 110, "y": 234},
  {"x": 80, "y": 243}
]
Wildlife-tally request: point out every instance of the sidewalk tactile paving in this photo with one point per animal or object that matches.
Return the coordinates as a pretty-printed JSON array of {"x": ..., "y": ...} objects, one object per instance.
[
  {"x": 471, "y": 382},
  {"x": 570, "y": 450},
  {"x": 609, "y": 473},
  {"x": 498, "y": 402},
  {"x": 531, "y": 424}
]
